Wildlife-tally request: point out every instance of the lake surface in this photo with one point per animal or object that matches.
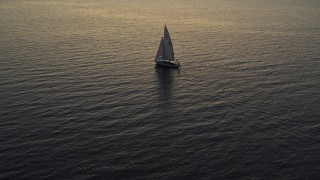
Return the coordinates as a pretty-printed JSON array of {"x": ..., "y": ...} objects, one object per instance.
[{"x": 81, "y": 97}]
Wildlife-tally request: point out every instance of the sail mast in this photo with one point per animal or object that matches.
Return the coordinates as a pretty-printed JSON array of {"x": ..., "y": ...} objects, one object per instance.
[
  {"x": 164, "y": 38},
  {"x": 163, "y": 52},
  {"x": 166, "y": 32}
]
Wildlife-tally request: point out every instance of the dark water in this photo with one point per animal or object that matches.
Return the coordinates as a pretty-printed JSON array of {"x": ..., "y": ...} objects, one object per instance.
[{"x": 81, "y": 97}]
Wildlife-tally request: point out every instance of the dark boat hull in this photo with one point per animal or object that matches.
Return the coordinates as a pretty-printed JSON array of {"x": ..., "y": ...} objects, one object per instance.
[{"x": 174, "y": 64}]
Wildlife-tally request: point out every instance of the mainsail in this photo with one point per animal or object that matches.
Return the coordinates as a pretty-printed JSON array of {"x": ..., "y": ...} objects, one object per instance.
[{"x": 168, "y": 53}]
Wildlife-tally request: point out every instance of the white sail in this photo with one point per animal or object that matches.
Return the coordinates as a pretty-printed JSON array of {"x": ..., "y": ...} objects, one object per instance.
[
  {"x": 168, "y": 53},
  {"x": 160, "y": 51}
]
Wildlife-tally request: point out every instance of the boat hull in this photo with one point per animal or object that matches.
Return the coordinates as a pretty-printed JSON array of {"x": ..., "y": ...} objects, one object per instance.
[{"x": 171, "y": 64}]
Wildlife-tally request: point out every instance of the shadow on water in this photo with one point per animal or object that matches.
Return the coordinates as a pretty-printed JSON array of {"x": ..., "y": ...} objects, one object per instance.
[{"x": 165, "y": 81}]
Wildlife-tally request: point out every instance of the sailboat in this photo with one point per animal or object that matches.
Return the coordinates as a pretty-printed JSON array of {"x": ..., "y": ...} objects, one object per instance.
[{"x": 165, "y": 54}]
